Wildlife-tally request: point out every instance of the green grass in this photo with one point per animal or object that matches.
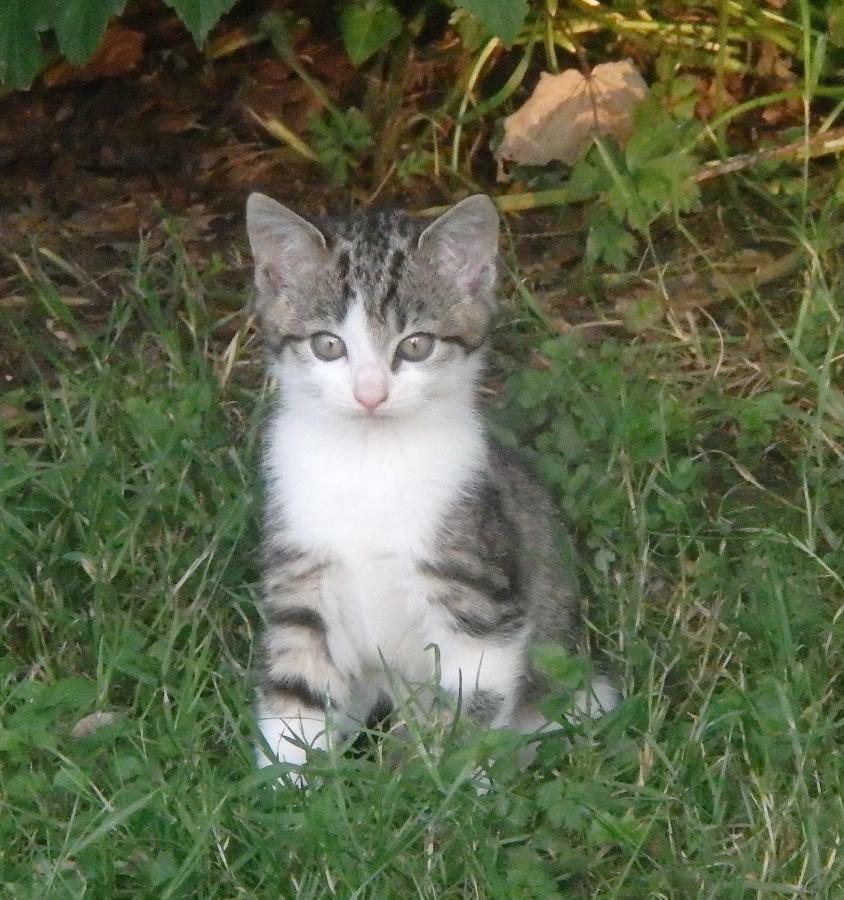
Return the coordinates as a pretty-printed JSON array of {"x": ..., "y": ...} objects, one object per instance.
[{"x": 702, "y": 474}]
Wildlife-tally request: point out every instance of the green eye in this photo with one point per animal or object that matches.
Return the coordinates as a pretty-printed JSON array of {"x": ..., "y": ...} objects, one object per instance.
[
  {"x": 416, "y": 347},
  {"x": 327, "y": 346}
]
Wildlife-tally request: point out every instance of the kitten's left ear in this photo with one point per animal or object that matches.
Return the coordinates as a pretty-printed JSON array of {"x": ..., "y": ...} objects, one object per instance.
[{"x": 464, "y": 244}]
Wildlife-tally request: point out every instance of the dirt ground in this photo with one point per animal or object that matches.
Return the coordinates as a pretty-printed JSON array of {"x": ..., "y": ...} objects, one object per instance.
[{"x": 155, "y": 137}]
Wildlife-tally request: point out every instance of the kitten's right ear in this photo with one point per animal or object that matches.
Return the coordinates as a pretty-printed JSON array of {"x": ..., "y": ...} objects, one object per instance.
[
  {"x": 464, "y": 244},
  {"x": 284, "y": 245}
]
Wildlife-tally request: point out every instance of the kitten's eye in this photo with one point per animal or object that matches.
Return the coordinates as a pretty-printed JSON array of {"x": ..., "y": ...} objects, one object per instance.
[
  {"x": 327, "y": 346},
  {"x": 416, "y": 347}
]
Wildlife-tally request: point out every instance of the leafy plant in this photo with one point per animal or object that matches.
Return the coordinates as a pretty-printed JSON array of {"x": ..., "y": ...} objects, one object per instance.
[
  {"x": 503, "y": 18},
  {"x": 338, "y": 138},
  {"x": 588, "y": 416},
  {"x": 413, "y": 164},
  {"x": 629, "y": 189},
  {"x": 77, "y": 26},
  {"x": 367, "y": 27}
]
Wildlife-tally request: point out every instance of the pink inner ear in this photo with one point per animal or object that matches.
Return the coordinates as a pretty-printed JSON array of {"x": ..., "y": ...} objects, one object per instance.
[
  {"x": 464, "y": 244},
  {"x": 468, "y": 266},
  {"x": 285, "y": 246},
  {"x": 464, "y": 265},
  {"x": 268, "y": 279}
]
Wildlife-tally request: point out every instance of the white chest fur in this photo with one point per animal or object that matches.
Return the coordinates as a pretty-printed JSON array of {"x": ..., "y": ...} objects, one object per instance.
[
  {"x": 356, "y": 491},
  {"x": 369, "y": 499}
]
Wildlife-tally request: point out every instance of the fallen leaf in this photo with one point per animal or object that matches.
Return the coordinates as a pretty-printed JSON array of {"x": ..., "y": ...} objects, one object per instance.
[
  {"x": 271, "y": 73},
  {"x": 108, "y": 219},
  {"x": 709, "y": 103},
  {"x": 566, "y": 111},
  {"x": 91, "y": 723},
  {"x": 198, "y": 223},
  {"x": 14, "y": 301},
  {"x": 60, "y": 334},
  {"x": 773, "y": 63},
  {"x": 330, "y": 63},
  {"x": 10, "y": 414},
  {"x": 176, "y": 121},
  {"x": 119, "y": 52}
]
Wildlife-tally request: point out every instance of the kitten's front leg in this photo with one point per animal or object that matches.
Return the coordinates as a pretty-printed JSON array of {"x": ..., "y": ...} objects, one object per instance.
[
  {"x": 292, "y": 715},
  {"x": 299, "y": 681}
]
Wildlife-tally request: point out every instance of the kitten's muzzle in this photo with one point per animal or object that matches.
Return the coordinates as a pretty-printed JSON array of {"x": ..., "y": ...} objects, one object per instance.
[{"x": 370, "y": 388}]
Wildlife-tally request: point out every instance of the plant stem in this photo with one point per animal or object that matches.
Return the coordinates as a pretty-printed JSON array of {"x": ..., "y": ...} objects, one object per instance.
[{"x": 480, "y": 62}]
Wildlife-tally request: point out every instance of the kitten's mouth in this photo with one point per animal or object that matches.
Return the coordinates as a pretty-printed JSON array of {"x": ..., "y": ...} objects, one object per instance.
[{"x": 376, "y": 415}]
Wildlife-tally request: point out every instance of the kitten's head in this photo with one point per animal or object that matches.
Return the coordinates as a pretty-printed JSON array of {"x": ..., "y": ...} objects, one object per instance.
[{"x": 375, "y": 316}]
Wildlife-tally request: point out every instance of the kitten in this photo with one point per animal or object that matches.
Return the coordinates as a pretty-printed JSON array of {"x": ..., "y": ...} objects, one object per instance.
[{"x": 392, "y": 523}]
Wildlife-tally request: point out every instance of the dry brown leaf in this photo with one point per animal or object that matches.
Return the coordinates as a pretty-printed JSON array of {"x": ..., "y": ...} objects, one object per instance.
[
  {"x": 566, "y": 111},
  {"x": 773, "y": 63},
  {"x": 177, "y": 121},
  {"x": 709, "y": 103},
  {"x": 330, "y": 62},
  {"x": 119, "y": 52},
  {"x": 14, "y": 301},
  {"x": 11, "y": 414},
  {"x": 271, "y": 73},
  {"x": 108, "y": 219}
]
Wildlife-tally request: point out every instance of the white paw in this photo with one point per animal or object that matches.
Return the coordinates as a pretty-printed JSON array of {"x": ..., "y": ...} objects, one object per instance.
[
  {"x": 289, "y": 740},
  {"x": 600, "y": 698}
]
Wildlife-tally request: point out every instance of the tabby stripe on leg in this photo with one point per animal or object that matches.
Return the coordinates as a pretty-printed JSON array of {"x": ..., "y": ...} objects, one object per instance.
[
  {"x": 503, "y": 622},
  {"x": 499, "y": 589},
  {"x": 283, "y": 565},
  {"x": 301, "y": 616},
  {"x": 279, "y": 555},
  {"x": 484, "y": 705},
  {"x": 297, "y": 688}
]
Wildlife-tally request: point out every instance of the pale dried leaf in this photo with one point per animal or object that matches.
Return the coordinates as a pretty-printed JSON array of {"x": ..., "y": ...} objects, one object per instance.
[
  {"x": 566, "y": 111},
  {"x": 91, "y": 723},
  {"x": 60, "y": 334},
  {"x": 15, "y": 301},
  {"x": 11, "y": 414}
]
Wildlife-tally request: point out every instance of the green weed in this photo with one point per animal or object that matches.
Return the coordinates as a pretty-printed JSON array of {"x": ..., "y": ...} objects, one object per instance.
[{"x": 338, "y": 138}]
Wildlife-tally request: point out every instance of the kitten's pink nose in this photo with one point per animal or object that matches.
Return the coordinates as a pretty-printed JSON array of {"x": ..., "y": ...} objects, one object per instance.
[{"x": 370, "y": 388}]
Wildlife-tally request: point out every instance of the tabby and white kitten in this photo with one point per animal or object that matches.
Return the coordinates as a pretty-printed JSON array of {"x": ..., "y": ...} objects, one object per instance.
[{"x": 393, "y": 524}]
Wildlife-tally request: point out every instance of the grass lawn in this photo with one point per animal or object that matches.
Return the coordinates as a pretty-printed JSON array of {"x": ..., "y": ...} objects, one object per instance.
[{"x": 700, "y": 466}]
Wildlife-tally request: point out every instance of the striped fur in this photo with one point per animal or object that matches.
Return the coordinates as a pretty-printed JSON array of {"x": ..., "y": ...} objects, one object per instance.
[{"x": 394, "y": 528}]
